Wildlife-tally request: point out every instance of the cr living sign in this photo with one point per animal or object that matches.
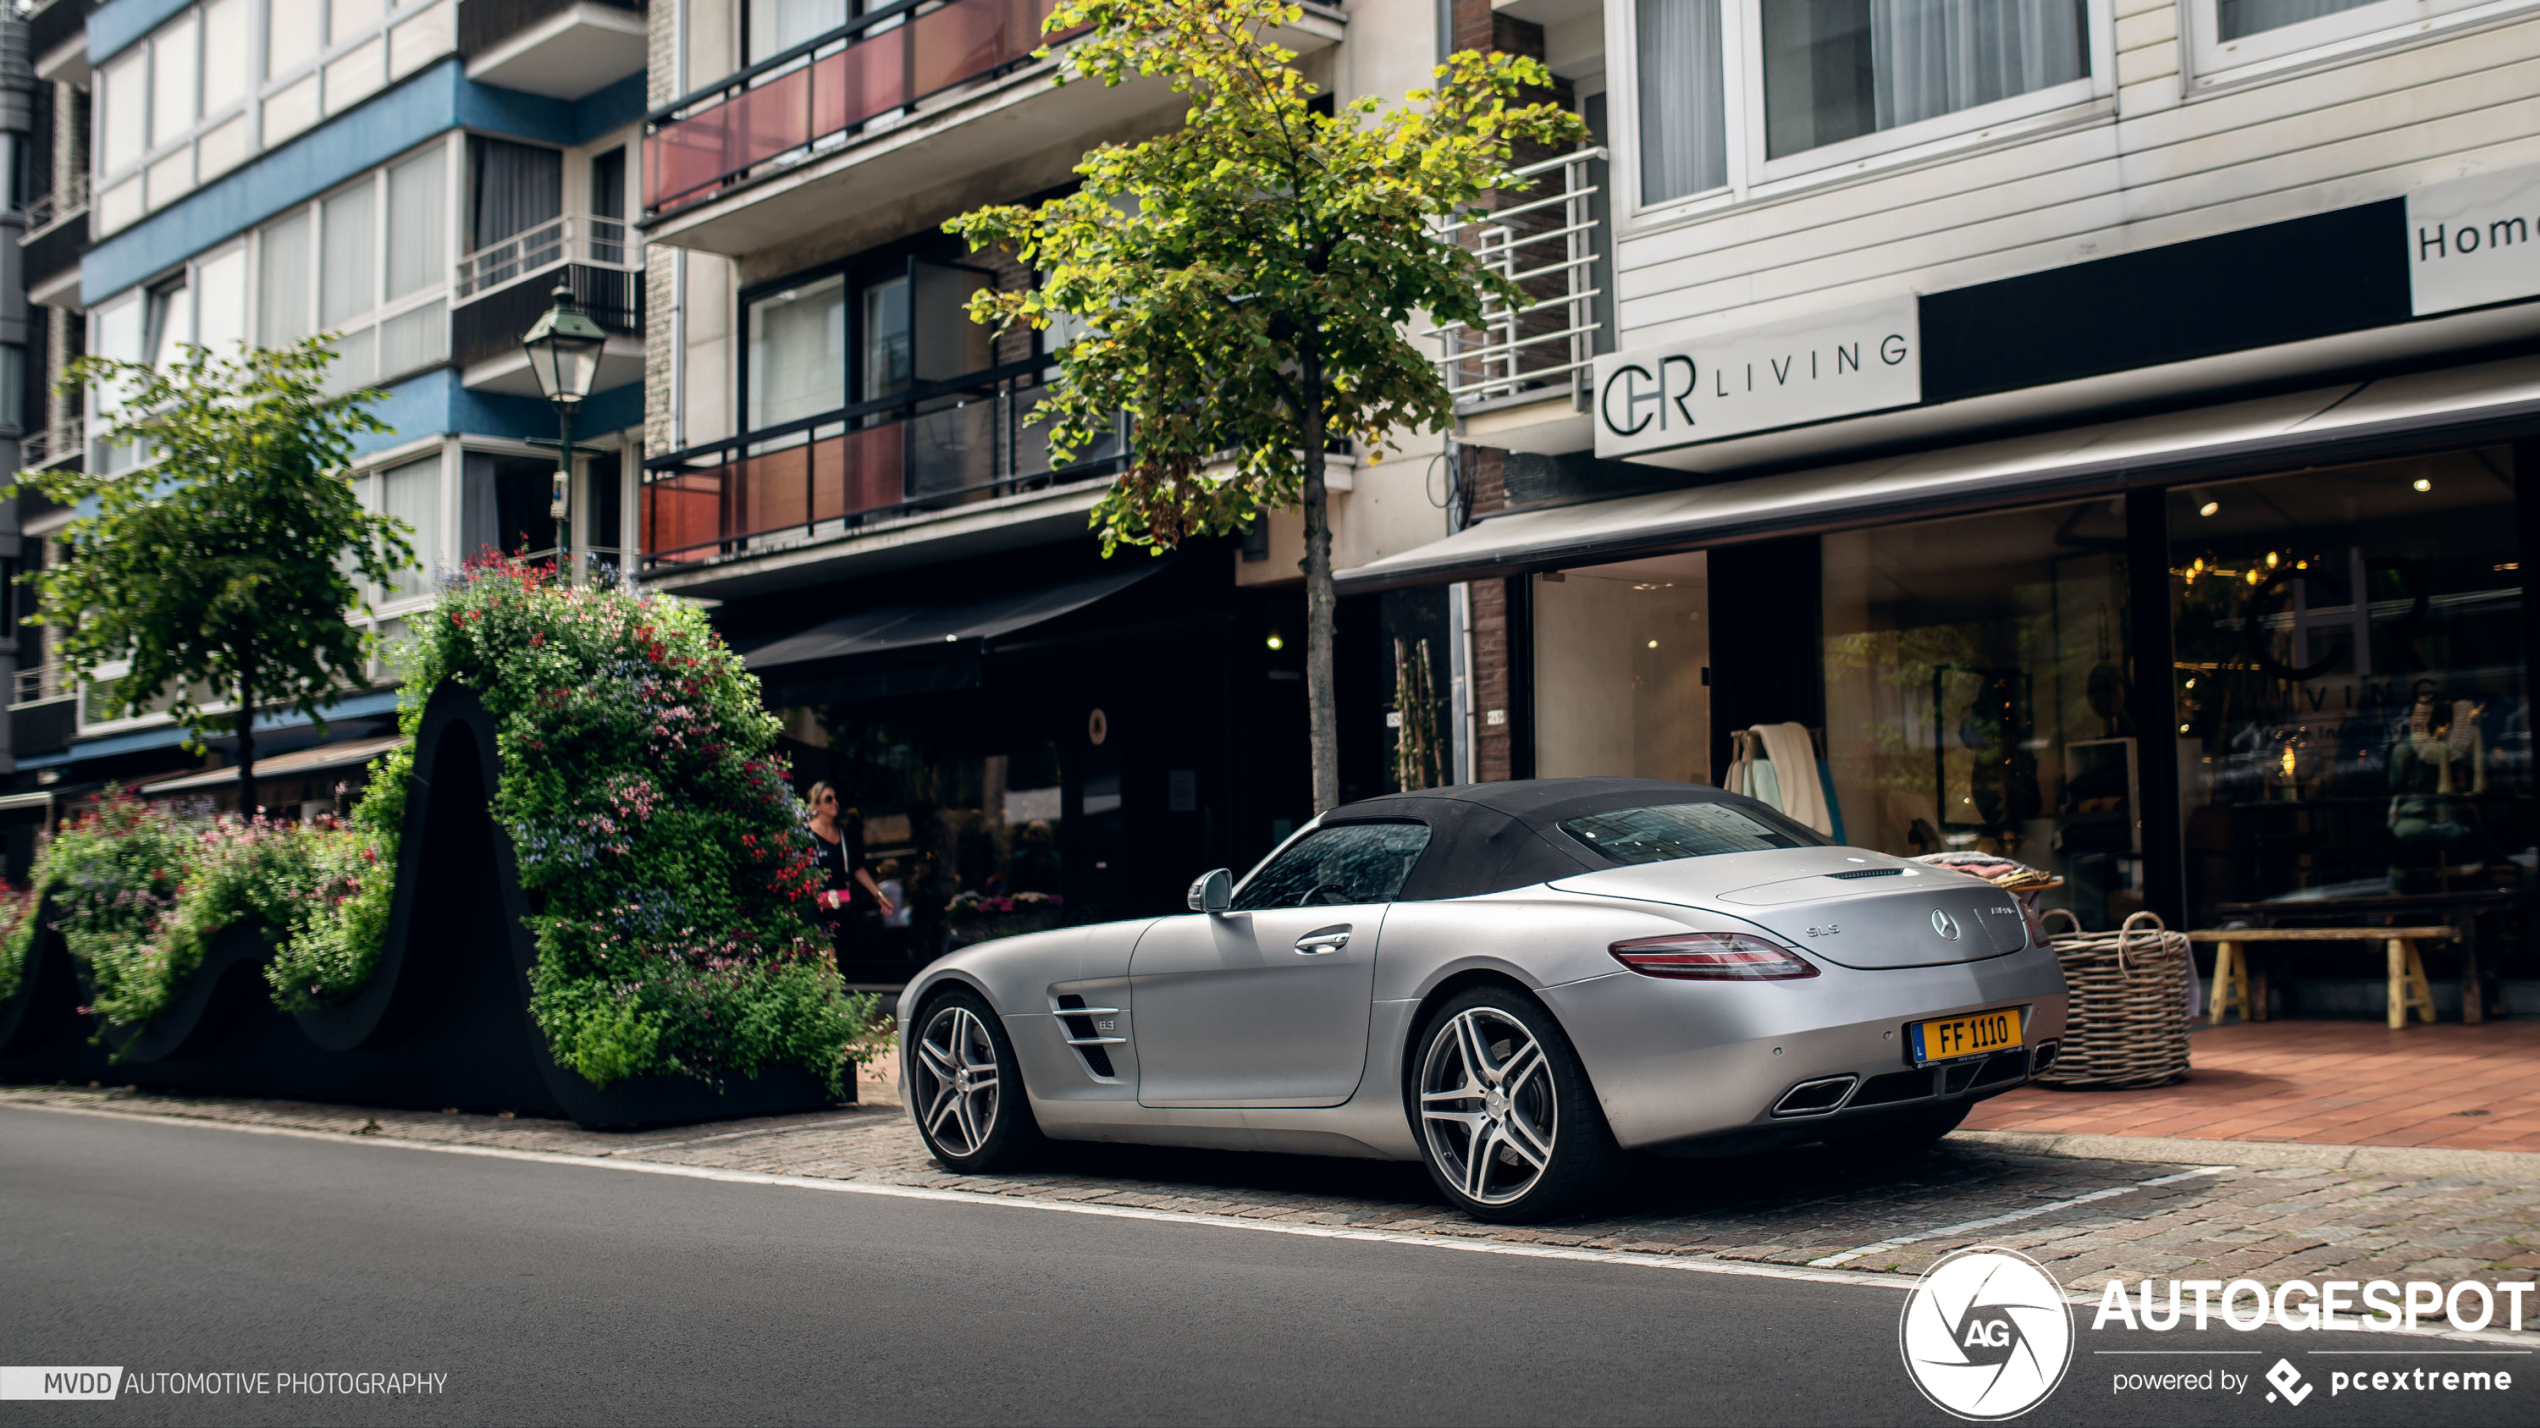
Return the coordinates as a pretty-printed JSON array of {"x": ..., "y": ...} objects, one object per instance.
[{"x": 1806, "y": 369}]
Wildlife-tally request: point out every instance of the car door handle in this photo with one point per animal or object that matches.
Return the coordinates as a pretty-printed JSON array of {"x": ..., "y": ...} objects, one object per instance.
[{"x": 1323, "y": 939}]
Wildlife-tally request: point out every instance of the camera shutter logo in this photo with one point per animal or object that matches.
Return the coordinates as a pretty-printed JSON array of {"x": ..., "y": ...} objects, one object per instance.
[{"x": 1986, "y": 1334}]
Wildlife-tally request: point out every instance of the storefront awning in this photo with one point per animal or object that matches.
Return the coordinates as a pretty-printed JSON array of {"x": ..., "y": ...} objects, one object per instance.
[
  {"x": 958, "y": 625},
  {"x": 2349, "y": 422},
  {"x": 325, "y": 758}
]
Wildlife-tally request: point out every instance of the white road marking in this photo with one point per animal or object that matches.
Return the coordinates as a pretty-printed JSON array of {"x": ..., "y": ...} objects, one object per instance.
[
  {"x": 1970, "y": 1226},
  {"x": 1745, "y": 1268}
]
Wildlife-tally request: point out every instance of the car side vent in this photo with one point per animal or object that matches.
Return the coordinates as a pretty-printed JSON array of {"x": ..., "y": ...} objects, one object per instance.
[
  {"x": 1083, "y": 1035},
  {"x": 1868, "y": 873}
]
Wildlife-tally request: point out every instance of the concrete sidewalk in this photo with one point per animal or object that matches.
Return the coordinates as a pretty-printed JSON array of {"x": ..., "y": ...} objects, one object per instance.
[{"x": 2087, "y": 1207}]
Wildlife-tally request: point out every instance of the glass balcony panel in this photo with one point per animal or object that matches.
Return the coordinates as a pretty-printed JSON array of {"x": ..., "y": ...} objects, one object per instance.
[
  {"x": 879, "y": 71},
  {"x": 952, "y": 450}
]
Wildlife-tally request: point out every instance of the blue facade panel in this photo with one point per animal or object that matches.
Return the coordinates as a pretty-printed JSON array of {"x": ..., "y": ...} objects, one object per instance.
[{"x": 429, "y": 102}]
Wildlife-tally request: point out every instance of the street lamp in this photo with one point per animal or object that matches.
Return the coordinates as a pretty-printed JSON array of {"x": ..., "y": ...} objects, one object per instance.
[{"x": 564, "y": 350}]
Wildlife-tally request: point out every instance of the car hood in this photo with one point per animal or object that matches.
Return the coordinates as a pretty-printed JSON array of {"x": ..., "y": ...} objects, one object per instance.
[{"x": 1852, "y": 907}]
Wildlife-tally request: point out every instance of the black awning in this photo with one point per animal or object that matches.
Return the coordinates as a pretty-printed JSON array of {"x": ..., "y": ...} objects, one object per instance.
[{"x": 957, "y": 629}]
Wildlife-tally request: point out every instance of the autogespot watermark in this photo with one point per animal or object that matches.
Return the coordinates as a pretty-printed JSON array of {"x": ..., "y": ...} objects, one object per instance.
[
  {"x": 108, "y": 1383},
  {"x": 1986, "y": 1334}
]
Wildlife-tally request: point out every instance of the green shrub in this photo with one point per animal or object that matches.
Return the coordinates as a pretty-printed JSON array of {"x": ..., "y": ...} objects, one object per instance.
[
  {"x": 656, "y": 830},
  {"x": 17, "y": 934},
  {"x": 655, "y": 827}
]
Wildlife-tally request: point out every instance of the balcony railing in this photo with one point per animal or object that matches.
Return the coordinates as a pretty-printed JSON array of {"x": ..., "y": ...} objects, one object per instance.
[
  {"x": 45, "y": 681},
  {"x": 573, "y": 238},
  {"x": 947, "y": 445},
  {"x": 1544, "y": 239},
  {"x": 68, "y": 197},
  {"x": 47, "y": 445},
  {"x": 878, "y": 64}
]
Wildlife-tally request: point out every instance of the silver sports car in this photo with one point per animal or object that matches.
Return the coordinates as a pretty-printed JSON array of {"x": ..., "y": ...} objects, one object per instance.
[{"x": 1516, "y": 983}]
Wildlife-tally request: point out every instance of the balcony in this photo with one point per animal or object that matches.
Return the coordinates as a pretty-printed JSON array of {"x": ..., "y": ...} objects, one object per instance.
[
  {"x": 56, "y": 237},
  {"x": 563, "y": 48},
  {"x": 913, "y": 95},
  {"x": 800, "y": 494},
  {"x": 52, "y": 446},
  {"x": 503, "y": 287},
  {"x": 1520, "y": 378},
  {"x": 43, "y": 710}
]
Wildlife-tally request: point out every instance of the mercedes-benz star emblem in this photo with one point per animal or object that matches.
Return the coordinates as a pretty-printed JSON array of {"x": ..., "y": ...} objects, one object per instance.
[{"x": 1944, "y": 924}]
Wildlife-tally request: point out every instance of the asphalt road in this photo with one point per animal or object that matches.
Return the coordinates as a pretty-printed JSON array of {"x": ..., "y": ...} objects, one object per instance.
[{"x": 580, "y": 1293}]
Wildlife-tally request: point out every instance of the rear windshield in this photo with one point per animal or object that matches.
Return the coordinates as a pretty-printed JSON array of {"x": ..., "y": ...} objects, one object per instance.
[{"x": 1687, "y": 830}]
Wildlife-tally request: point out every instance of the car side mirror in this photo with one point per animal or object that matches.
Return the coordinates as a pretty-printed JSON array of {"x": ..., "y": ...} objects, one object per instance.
[{"x": 1213, "y": 891}]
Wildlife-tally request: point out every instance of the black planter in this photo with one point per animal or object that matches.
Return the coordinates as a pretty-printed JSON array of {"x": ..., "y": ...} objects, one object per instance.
[{"x": 443, "y": 1020}]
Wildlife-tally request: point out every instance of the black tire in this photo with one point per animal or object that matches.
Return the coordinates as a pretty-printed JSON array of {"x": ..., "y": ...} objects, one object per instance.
[
  {"x": 1546, "y": 1148},
  {"x": 972, "y": 1125},
  {"x": 1903, "y": 1135}
]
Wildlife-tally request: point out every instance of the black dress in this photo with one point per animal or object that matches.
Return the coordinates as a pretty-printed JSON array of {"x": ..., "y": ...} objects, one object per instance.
[{"x": 838, "y": 864}]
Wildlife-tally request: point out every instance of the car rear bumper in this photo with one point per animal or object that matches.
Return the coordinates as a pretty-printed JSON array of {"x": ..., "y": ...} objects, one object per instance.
[{"x": 1677, "y": 1062}]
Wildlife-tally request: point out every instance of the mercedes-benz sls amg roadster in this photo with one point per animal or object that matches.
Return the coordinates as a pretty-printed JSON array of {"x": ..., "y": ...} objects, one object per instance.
[{"x": 1517, "y": 983}]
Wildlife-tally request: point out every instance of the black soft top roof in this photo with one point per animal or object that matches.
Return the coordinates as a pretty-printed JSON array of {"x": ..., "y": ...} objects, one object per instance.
[{"x": 1490, "y": 837}]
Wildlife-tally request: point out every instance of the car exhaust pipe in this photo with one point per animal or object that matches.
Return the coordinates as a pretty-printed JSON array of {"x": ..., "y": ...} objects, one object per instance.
[{"x": 1815, "y": 1098}]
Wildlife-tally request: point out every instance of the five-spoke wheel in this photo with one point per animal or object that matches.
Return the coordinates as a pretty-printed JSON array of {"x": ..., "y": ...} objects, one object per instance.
[
  {"x": 964, "y": 1091},
  {"x": 1506, "y": 1123}
]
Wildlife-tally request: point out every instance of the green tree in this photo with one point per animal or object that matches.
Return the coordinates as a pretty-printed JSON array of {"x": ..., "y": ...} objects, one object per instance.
[
  {"x": 1243, "y": 284},
  {"x": 228, "y": 556}
]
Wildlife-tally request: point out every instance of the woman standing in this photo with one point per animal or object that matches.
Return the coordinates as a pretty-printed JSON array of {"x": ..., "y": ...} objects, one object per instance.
[{"x": 846, "y": 884}]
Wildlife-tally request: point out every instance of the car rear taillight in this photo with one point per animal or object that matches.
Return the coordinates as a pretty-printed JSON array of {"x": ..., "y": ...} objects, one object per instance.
[
  {"x": 2036, "y": 922},
  {"x": 1710, "y": 957}
]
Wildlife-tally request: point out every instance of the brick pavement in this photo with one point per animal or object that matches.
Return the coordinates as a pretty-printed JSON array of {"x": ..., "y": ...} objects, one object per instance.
[
  {"x": 2318, "y": 1082},
  {"x": 2085, "y": 1218}
]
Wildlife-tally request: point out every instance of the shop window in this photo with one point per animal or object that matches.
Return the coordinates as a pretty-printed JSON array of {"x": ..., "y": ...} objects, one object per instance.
[
  {"x": 1977, "y": 676},
  {"x": 1634, "y": 633},
  {"x": 2353, "y": 724}
]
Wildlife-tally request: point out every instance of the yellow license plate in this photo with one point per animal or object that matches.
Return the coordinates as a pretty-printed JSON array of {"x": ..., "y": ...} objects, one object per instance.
[{"x": 1977, "y": 1035}]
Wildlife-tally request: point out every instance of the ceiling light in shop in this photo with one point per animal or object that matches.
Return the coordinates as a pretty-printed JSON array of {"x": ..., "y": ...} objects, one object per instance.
[
  {"x": 2209, "y": 508},
  {"x": 1275, "y": 642},
  {"x": 1653, "y": 644},
  {"x": 2423, "y": 484},
  {"x": 2270, "y": 560}
]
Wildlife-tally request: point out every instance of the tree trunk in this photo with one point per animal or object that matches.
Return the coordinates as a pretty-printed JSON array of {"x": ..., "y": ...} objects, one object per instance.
[
  {"x": 247, "y": 736},
  {"x": 1322, "y": 714}
]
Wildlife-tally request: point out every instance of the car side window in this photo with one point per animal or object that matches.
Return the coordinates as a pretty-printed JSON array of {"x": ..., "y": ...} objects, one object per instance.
[{"x": 1336, "y": 866}]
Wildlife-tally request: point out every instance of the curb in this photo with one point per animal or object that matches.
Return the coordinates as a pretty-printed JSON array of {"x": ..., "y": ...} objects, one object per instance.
[{"x": 2263, "y": 1155}]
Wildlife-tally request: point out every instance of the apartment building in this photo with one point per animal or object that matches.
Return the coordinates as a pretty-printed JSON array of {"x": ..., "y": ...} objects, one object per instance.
[
  {"x": 837, "y": 456},
  {"x": 413, "y": 178},
  {"x": 2104, "y": 425}
]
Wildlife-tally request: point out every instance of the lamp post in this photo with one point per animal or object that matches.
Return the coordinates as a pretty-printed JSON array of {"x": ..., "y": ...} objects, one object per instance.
[{"x": 564, "y": 350}]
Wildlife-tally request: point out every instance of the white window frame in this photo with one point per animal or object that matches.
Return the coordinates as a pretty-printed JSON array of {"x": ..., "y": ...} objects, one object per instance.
[
  {"x": 2214, "y": 65},
  {"x": 1752, "y": 176},
  {"x": 382, "y": 309},
  {"x": 250, "y": 110},
  {"x": 370, "y": 482}
]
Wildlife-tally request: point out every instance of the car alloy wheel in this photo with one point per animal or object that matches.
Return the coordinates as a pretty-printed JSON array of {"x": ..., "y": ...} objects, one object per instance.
[
  {"x": 957, "y": 1081},
  {"x": 965, "y": 1090},
  {"x": 1507, "y": 1122},
  {"x": 1487, "y": 1106}
]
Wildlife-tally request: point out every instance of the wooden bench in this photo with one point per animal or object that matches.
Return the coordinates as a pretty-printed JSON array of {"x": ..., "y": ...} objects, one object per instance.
[{"x": 2409, "y": 989}]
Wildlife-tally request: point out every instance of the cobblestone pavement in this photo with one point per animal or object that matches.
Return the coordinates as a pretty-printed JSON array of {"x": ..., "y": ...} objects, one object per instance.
[{"x": 2085, "y": 1218}]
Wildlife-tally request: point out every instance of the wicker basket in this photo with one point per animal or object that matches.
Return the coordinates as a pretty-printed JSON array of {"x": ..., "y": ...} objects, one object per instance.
[{"x": 2130, "y": 991}]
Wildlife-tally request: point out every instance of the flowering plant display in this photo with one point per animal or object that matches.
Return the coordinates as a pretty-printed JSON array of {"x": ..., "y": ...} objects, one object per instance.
[
  {"x": 655, "y": 826},
  {"x": 140, "y": 894},
  {"x": 656, "y": 829}
]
